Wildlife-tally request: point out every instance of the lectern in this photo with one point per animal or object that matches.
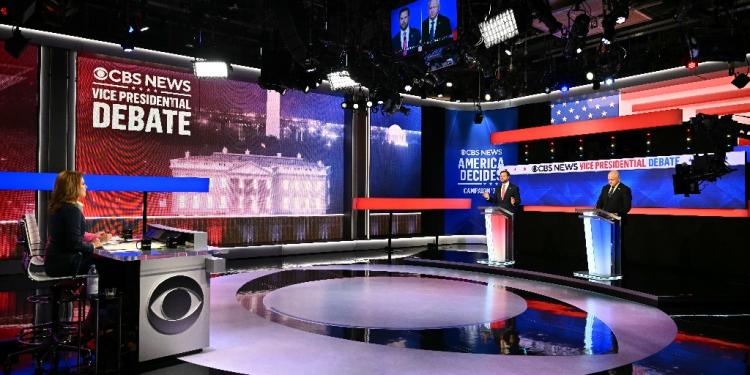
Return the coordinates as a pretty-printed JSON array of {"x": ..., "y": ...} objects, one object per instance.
[
  {"x": 602, "y": 231},
  {"x": 499, "y": 224}
]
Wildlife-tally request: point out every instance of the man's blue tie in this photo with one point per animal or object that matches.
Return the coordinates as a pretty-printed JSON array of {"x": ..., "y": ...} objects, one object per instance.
[
  {"x": 611, "y": 191},
  {"x": 432, "y": 30}
]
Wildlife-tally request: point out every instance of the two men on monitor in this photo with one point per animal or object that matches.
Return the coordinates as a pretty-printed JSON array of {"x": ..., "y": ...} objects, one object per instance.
[{"x": 435, "y": 28}]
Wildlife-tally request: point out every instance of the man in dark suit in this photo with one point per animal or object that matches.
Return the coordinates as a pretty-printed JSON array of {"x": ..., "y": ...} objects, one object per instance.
[
  {"x": 507, "y": 195},
  {"x": 405, "y": 42},
  {"x": 615, "y": 197},
  {"x": 435, "y": 26}
]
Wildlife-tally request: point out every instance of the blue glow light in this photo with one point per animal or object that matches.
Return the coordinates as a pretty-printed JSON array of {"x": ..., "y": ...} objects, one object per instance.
[
  {"x": 564, "y": 88},
  {"x": 46, "y": 181},
  {"x": 130, "y": 29}
]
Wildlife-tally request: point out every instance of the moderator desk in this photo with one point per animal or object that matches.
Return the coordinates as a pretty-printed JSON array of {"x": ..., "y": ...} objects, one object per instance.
[{"x": 165, "y": 292}]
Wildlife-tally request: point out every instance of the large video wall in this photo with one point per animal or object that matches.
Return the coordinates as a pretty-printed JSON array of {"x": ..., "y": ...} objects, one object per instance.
[
  {"x": 396, "y": 154},
  {"x": 472, "y": 164},
  {"x": 18, "y": 110},
  {"x": 650, "y": 179},
  {"x": 265, "y": 154}
]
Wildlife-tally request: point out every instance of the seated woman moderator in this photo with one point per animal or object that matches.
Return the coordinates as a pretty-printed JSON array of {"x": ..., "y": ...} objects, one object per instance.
[{"x": 67, "y": 254}]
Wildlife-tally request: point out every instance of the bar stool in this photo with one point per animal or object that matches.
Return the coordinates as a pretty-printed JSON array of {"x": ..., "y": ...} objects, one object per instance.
[{"x": 49, "y": 338}]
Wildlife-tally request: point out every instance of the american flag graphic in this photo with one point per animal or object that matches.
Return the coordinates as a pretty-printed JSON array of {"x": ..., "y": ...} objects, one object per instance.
[{"x": 586, "y": 107}]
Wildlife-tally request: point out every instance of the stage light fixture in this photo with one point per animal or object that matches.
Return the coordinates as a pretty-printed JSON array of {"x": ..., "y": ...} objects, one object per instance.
[
  {"x": 508, "y": 51},
  {"x": 440, "y": 95},
  {"x": 691, "y": 65},
  {"x": 478, "y": 116},
  {"x": 355, "y": 106},
  {"x": 741, "y": 80},
  {"x": 499, "y": 28},
  {"x": 130, "y": 29},
  {"x": 341, "y": 80},
  {"x": 590, "y": 76},
  {"x": 407, "y": 88},
  {"x": 621, "y": 13},
  {"x": 608, "y": 24},
  {"x": 564, "y": 88},
  {"x": 16, "y": 44},
  {"x": 487, "y": 96},
  {"x": 449, "y": 84},
  {"x": 144, "y": 28},
  {"x": 127, "y": 47},
  {"x": 609, "y": 81},
  {"x": 368, "y": 103},
  {"x": 210, "y": 69},
  {"x": 577, "y": 35},
  {"x": 544, "y": 14}
]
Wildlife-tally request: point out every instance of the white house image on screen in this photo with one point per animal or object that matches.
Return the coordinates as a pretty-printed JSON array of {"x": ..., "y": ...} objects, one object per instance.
[{"x": 245, "y": 184}]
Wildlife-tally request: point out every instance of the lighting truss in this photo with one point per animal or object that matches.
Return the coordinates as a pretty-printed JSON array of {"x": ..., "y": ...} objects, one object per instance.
[
  {"x": 341, "y": 80},
  {"x": 499, "y": 28},
  {"x": 210, "y": 69}
]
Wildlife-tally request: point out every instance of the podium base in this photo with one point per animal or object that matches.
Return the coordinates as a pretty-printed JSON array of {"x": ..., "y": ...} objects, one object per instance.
[
  {"x": 596, "y": 277},
  {"x": 496, "y": 263}
]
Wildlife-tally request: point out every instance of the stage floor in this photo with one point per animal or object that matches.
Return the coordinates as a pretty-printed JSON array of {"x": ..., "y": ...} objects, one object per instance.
[{"x": 343, "y": 313}]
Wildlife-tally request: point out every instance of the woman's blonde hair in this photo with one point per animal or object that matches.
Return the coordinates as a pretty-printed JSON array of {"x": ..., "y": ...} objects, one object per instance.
[{"x": 65, "y": 191}]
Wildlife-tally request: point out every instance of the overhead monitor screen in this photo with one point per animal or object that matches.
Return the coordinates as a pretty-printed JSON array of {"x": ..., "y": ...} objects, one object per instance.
[{"x": 423, "y": 25}]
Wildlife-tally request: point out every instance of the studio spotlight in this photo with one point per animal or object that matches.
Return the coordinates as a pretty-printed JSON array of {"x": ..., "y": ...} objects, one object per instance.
[
  {"x": 741, "y": 80},
  {"x": 16, "y": 44},
  {"x": 691, "y": 65},
  {"x": 544, "y": 14},
  {"x": 440, "y": 95},
  {"x": 621, "y": 13},
  {"x": 210, "y": 69},
  {"x": 449, "y": 84},
  {"x": 341, "y": 80},
  {"x": 577, "y": 35},
  {"x": 608, "y": 24},
  {"x": 355, "y": 106},
  {"x": 368, "y": 103},
  {"x": 344, "y": 105},
  {"x": 487, "y": 97},
  {"x": 499, "y": 28},
  {"x": 590, "y": 76},
  {"x": 127, "y": 47},
  {"x": 407, "y": 88},
  {"x": 508, "y": 51},
  {"x": 609, "y": 81},
  {"x": 564, "y": 88},
  {"x": 478, "y": 116},
  {"x": 144, "y": 28}
]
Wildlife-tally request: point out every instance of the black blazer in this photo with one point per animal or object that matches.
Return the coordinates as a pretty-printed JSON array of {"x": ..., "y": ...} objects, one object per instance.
[
  {"x": 66, "y": 246},
  {"x": 443, "y": 28},
  {"x": 620, "y": 201},
  {"x": 414, "y": 41},
  {"x": 511, "y": 191}
]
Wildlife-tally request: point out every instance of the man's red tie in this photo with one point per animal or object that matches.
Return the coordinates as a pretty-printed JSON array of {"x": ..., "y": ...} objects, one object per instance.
[
  {"x": 502, "y": 194},
  {"x": 405, "y": 44}
]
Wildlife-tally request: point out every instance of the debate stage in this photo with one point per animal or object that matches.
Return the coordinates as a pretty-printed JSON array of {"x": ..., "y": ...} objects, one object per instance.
[{"x": 359, "y": 312}]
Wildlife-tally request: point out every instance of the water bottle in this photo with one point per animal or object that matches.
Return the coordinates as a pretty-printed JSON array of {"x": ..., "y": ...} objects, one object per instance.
[{"x": 92, "y": 282}]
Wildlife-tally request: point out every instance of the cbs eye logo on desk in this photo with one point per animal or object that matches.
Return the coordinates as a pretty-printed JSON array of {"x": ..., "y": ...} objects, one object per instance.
[{"x": 175, "y": 305}]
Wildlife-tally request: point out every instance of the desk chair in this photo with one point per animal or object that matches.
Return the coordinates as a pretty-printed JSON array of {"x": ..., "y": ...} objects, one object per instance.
[{"x": 47, "y": 338}]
